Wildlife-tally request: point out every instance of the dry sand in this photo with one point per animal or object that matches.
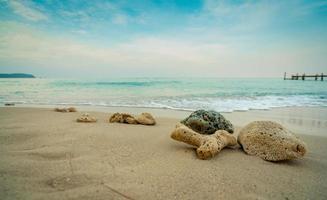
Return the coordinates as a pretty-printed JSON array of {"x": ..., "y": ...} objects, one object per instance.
[{"x": 47, "y": 155}]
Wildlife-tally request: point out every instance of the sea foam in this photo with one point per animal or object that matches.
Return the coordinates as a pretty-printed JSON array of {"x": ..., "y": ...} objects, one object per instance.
[{"x": 224, "y": 95}]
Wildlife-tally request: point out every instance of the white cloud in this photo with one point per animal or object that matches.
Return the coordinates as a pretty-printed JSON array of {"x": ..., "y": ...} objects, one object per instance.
[
  {"x": 31, "y": 48},
  {"x": 155, "y": 56},
  {"x": 119, "y": 19},
  {"x": 27, "y": 12},
  {"x": 80, "y": 32},
  {"x": 146, "y": 52},
  {"x": 245, "y": 16}
]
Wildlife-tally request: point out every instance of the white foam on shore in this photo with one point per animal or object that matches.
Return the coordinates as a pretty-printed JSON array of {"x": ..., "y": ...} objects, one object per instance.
[
  {"x": 223, "y": 95},
  {"x": 218, "y": 104}
]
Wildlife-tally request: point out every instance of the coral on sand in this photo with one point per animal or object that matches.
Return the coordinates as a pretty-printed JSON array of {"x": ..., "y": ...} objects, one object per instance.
[
  {"x": 144, "y": 118},
  {"x": 86, "y": 118},
  {"x": 207, "y": 122},
  {"x": 72, "y": 109},
  {"x": 270, "y": 141},
  {"x": 64, "y": 110},
  {"x": 122, "y": 118},
  {"x": 207, "y": 145}
]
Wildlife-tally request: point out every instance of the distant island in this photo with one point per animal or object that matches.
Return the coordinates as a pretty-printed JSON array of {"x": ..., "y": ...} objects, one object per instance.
[{"x": 17, "y": 75}]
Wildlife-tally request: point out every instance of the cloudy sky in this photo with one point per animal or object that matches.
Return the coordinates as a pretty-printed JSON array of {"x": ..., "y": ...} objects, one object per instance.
[{"x": 77, "y": 38}]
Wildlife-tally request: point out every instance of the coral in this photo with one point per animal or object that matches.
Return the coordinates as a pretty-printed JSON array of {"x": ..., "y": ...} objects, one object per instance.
[
  {"x": 271, "y": 141},
  {"x": 207, "y": 145},
  {"x": 122, "y": 118},
  {"x": 72, "y": 109},
  {"x": 64, "y": 110},
  {"x": 86, "y": 118},
  {"x": 145, "y": 119},
  {"x": 207, "y": 122}
]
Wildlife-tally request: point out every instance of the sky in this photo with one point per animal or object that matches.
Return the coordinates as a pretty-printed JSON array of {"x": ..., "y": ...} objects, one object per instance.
[{"x": 163, "y": 38}]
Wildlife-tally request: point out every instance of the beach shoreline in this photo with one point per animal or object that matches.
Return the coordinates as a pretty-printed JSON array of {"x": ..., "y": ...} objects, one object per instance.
[
  {"x": 303, "y": 120},
  {"x": 48, "y": 155}
]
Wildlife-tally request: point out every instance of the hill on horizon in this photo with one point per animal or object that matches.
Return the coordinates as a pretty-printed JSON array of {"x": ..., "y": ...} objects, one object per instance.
[{"x": 17, "y": 75}]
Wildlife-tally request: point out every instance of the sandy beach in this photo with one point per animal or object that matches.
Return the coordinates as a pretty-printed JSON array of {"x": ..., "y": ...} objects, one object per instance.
[
  {"x": 99, "y": 100},
  {"x": 47, "y": 155}
]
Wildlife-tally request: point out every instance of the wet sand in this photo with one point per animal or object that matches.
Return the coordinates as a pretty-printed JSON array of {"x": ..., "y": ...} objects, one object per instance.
[{"x": 47, "y": 155}]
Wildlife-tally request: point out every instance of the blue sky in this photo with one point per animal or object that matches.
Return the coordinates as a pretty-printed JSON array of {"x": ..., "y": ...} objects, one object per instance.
[{"x": 163, "y": 38}]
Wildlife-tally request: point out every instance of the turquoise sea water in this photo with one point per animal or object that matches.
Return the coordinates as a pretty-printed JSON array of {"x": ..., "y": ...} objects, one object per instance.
[{"x": 171, "y": 93}]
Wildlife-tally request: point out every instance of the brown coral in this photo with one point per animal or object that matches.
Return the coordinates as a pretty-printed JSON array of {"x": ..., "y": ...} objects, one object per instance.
[
  {"x": 207, "y": 145},
  {"x": 70, "y": 109},
  {"x": 86, "y": 118},
  {"x": 122, "y": 118},
  {"x": 270, "y": 141},
  {"x": 144, "y": 118}
]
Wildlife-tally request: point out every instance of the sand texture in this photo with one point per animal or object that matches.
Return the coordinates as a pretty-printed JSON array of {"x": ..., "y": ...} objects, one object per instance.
[{"x": 48, "y": 155}]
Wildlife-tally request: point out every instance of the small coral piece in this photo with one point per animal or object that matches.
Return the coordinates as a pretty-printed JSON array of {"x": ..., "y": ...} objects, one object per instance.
[
  {"x": 86, "y": 118},
  {"x": 144, "y": 118},
  {"x": 72, "y": 109},
  {"x": 122, "y": 118},
  {"x": 64, "y": 110},
  {"x": 271, "y": 141},
  {"x": 207, "y": 145}
]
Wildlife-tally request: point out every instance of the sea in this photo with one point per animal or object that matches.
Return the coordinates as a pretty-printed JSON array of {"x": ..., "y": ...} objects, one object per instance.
[{"x": 219, "y": 94}]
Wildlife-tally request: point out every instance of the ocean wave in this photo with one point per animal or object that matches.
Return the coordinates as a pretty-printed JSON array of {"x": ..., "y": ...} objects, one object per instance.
[
  {"x": 191, "y": 104},
  {"x": 114, "y": 83},
  {"x": 175, "y": 94}
]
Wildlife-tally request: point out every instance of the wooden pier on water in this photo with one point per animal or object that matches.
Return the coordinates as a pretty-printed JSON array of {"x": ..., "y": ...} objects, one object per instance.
[{"x": 304, "y": 76}]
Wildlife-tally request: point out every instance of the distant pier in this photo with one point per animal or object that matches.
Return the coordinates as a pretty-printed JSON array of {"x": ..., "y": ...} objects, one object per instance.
[{"x": 305, "y": 76}]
